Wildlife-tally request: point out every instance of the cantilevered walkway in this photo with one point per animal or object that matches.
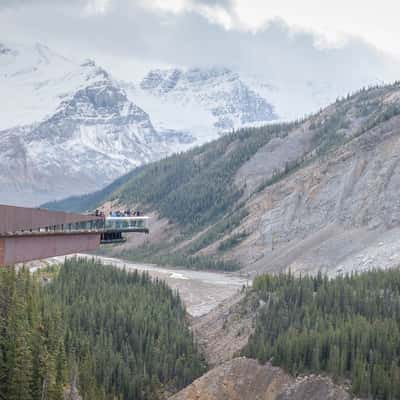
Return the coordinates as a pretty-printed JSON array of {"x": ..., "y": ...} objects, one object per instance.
[{"x": 29, "y": 233}]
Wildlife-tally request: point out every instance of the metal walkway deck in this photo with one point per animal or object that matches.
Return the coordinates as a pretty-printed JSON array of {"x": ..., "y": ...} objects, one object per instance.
[{"x": 28, "y": 234}]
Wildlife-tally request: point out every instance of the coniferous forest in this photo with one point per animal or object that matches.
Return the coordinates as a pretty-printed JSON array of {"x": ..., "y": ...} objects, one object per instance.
[
  {"x": 348, "y": 327},
  {"x": 32, "y": 354},
  {"x": 120, "y": 335},
  {"x": 113, "y": 334}
]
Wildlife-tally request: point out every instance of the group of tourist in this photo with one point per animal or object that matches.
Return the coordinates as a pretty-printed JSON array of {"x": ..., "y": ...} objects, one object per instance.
[{"x": 126, "y": 213}]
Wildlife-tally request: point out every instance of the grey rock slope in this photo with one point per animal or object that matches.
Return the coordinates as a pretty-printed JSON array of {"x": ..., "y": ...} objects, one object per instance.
[{"x": 339, "y": 210}]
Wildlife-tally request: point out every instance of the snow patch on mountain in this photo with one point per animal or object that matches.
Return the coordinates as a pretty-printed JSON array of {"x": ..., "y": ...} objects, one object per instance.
[{"x": 34, "y": 80}]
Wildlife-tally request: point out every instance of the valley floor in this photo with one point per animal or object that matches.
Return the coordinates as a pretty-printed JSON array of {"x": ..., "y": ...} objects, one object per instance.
[{"x": 201, "y": 291}]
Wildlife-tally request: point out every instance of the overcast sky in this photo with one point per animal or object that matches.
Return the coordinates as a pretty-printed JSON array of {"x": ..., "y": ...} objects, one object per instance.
[
  {"x": 193, "y": 32},
  {"x": 375, "y": 21}
]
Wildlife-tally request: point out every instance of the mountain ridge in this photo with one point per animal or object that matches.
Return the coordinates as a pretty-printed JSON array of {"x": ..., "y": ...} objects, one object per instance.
[
  {"x": 298, "y": 196},
  {"x": 71, "y": 128}
]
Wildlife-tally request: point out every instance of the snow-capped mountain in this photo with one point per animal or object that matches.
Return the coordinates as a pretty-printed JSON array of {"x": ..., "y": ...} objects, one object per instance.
[
  {"x": 77, "y": 131},
  {"x": 203, "y": 101},
  {"x": 69, "y": 128}
]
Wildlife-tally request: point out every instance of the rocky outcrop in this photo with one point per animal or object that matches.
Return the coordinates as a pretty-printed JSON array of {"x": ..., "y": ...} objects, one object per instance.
[{"x": 244, "y": 378}]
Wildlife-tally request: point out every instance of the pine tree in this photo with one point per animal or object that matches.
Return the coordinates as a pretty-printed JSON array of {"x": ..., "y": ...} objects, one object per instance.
[{"x": 20, "y": 379}]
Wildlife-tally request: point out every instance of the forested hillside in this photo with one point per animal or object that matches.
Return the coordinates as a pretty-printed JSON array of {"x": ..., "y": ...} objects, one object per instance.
[
  {"x": 191, "y": 188},
  {"x": 320, "y": 190},
  {"x": 348, "y": 327},
  {"x": 115, "y": 334}
]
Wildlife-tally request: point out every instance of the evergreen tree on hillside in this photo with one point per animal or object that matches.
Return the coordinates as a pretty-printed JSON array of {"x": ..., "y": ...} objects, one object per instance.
[
  {"x": 348, "y": 327},
  {"x": 109, "y": 333}
]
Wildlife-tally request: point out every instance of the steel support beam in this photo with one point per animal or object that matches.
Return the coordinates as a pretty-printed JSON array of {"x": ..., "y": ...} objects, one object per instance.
[{"x": 18, "y": 249}]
